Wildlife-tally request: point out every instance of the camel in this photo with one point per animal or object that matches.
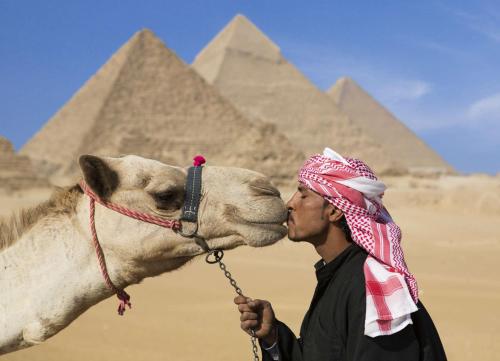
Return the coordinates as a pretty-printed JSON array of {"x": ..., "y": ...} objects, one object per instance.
[{"x": 49, "y": 273}]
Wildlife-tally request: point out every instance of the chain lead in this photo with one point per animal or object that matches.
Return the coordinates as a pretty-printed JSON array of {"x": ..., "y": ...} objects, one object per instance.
[{"x": 217, "y": 258}]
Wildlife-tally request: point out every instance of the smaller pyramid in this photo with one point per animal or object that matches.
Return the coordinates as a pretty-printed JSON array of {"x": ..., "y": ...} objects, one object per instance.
[
  {"x": 380, "y": 124},
  {"x": 16, "y": 171}
]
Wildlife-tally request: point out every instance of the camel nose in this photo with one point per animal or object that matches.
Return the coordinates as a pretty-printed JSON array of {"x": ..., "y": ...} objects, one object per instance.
[{"x": 264, "y": 187}]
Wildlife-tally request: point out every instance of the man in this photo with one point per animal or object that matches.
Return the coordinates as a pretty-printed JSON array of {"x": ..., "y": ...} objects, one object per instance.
[{"x": 365, "y": 306}]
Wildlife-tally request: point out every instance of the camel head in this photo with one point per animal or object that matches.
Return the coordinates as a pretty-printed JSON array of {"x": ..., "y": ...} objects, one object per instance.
[{"x": 238, "y": 207}]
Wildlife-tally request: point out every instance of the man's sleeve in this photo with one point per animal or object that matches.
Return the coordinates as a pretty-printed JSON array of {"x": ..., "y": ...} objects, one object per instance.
[
  {"x": 431, "y": 347},
  {"x": 402, "y": 345},
  {"x": 287, "y": 346}
]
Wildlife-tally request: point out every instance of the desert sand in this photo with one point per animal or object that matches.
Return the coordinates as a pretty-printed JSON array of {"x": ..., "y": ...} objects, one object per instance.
[{"x": 451, "y": 243}]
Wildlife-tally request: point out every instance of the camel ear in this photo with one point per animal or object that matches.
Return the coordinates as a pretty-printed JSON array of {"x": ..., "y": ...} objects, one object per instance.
[{"x": 98, "y": 175}]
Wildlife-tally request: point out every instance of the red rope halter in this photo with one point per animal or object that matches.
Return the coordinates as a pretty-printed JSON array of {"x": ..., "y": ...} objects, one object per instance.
[{"x": 120, "y": 293}]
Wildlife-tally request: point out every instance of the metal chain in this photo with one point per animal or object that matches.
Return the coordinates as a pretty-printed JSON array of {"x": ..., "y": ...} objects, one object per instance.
[{"x": 217, "y": 258}]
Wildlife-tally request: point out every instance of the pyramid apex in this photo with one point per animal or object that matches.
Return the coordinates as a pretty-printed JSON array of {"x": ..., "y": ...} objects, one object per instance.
[
  {"x": 341, "y": 86},
  {"x": 342, "y": 82},
  {"x": 239, "y": 35},
  {"x": 240, "y": 18},
  {"x": 346, "y": 79},
  {"x": 146, "y": 31},
  {"x": 144, "y": 34},
  {"x": 247, "y": 37}
]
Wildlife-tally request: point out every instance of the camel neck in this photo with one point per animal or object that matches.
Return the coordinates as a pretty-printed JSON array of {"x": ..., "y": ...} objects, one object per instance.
[{"x": 52, "y": 276}]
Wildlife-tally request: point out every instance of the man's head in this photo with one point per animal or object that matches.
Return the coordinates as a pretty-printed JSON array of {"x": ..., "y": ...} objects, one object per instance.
[
  {"x": 332, "y": 192},
  {"x": 311, "y": 217},
  {"x": 354, "y": 203}
]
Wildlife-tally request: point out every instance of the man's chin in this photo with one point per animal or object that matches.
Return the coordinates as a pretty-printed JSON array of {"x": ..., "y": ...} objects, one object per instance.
[{"x": 292, "y": 237}]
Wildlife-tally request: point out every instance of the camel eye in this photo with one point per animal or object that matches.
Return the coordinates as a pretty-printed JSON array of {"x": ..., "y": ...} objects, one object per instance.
[
  {"x": 164, "y": 196},
  {"x": 168, "y": 200}
]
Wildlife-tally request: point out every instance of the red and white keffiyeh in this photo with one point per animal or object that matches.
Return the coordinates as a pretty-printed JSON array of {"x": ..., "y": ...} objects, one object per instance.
[{"x": 350, "y": 185}]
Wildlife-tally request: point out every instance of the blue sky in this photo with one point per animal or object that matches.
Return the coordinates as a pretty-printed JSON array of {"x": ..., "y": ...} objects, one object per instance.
[{"x": 434, "y": 64}]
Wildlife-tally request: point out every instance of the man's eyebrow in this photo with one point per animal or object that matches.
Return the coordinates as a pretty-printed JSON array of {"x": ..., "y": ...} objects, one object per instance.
[{"x": 301, "y": 188}]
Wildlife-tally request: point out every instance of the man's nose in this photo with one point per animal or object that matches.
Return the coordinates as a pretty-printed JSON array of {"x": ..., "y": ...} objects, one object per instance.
[{"x": 291, "y": 202}]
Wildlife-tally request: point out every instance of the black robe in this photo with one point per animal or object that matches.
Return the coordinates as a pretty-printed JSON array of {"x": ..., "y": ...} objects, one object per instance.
[{"x": 333, "y": 327}]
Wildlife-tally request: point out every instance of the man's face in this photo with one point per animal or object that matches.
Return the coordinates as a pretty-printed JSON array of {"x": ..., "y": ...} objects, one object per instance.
[{"x": 307, "y": 217}]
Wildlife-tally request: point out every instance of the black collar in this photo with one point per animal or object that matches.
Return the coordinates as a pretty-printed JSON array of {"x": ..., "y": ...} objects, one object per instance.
[{"x": 327, "y": 270}]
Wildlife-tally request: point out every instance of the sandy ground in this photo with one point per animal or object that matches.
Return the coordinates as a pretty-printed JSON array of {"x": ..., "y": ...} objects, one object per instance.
[{"x": 452, "y": 248}]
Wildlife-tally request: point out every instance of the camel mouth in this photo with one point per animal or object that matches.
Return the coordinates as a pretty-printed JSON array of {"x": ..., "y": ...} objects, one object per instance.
[
  {"x": 266, "y": 234},
  {"x": 277, "y": 219},
  {"x": 274, "y": 227}
]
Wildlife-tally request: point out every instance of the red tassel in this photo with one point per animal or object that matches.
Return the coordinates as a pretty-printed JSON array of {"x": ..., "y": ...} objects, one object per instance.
[
  {"x": 124, "y": 302},
  {"x": 198, "y": 160}
]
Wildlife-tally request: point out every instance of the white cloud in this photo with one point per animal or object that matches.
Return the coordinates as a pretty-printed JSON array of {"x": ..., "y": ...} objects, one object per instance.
[
  {"x": 396, "y": 90},
  {"x": 488, "y": 107},
  {"x": 323, "y": 65},
  {"x": 484, "y": 20},
  {"x": 449, "y": 51}
]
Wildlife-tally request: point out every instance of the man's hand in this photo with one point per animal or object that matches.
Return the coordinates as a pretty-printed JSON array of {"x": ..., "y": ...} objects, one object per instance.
[{"x": 257, "y": 315}]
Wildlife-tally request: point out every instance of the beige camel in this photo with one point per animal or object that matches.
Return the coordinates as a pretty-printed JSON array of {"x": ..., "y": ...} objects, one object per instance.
[{"x": 49, "y": 273}]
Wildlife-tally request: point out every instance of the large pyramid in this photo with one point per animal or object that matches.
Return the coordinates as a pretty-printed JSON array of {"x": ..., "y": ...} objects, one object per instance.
[
  {"x": 249, "y": 69},
  {"x": 16, "y": 171},
  {"x": 380, "y": 124},
  {"x": 146, "y": 101}
]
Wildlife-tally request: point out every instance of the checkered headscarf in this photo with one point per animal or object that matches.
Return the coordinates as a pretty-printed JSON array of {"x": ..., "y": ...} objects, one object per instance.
[{"x": 350, "y": 185}]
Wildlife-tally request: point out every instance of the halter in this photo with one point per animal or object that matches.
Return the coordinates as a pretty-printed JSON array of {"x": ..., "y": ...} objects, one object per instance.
[{"x": 189, "y": 215}]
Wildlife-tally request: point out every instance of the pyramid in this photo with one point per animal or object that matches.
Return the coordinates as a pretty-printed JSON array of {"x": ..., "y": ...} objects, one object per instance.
[
  {"x": 146, "y": 101},
  {"x": 380, "y": 124},
  {"x": 16, "y": 172},
  {"x": 249, "y": 69}
]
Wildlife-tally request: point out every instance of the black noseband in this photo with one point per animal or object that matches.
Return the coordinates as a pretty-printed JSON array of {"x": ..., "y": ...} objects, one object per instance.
[{"x": 192, "y": 198}]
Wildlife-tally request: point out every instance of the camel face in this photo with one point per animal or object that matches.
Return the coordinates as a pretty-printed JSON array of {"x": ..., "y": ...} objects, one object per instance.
[{"x": 238, "y": 206}]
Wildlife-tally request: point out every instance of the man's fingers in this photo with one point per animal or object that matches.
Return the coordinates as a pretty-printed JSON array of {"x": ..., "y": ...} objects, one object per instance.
[
  {"x": 244, "y": 307},
  {"x": 248, "y": 316},
  {"x": 249, "y": 324},
  {"x": 258, "y": 303},
  {"x": 241, "y": 299},
  {"x": 255, "y": 303}
]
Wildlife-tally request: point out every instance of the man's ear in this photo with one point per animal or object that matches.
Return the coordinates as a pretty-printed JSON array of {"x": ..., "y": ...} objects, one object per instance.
[
  {"x": 335, "y": 215},
  {"x": 98, "y": 175}
]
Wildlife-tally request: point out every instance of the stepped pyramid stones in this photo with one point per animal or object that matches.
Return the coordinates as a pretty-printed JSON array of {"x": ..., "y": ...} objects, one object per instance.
[
  {"x": 6, "y": 147},
  {"x": 248, "y": 68},
  {"x": 16, "y": 172},
  {"x": 146, "y": 101},
  {"x": 380, "y": 124}
]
